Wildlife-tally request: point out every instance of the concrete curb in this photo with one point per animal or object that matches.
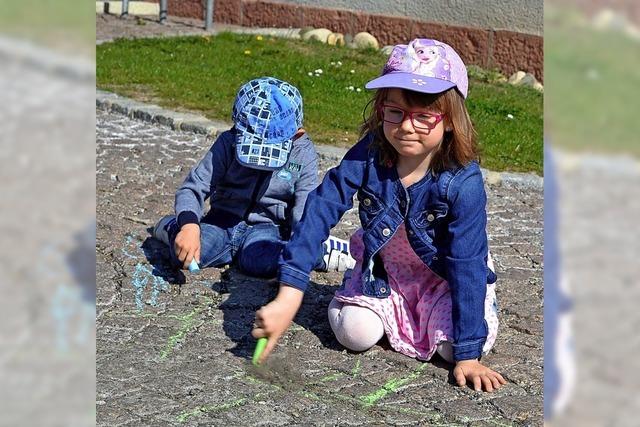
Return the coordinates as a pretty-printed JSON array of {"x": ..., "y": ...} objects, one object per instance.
[
  {"x": 288, "y": 33},
  {"x": 188, "y": 122},
  {"x": 46, "y": 60}
]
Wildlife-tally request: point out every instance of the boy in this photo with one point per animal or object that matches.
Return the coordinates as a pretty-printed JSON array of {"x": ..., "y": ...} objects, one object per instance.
[{"x": 257, "y": 176}]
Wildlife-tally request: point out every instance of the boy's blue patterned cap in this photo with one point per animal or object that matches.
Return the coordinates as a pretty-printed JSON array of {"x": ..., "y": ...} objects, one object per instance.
[{"x": 267, "y": 114}]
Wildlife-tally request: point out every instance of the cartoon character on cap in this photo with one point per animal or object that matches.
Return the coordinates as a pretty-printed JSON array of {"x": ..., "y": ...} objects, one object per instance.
[
  {"x": 423, "y": 65},
  {"x": 431, "y": 58}
]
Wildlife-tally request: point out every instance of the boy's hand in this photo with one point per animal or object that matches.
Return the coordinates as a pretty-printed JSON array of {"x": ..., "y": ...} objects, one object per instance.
[
  {"x": 187, "y": 245},
  {"x": 273, "y": 319},
  {"x": 481, "y": 376}
]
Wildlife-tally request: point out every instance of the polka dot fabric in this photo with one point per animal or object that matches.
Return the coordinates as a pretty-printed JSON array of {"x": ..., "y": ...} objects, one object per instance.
[{"x": 417, "y": 314}]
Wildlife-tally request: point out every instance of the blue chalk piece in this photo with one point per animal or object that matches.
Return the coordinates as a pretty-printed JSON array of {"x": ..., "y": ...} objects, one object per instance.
[{"x": 194, "y": 267}]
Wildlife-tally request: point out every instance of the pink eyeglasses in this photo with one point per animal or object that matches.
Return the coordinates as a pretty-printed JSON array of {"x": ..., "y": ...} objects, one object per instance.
[{"x": 420, "y": 120}]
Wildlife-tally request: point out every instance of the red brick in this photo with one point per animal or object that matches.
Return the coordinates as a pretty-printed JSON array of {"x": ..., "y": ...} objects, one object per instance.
[
  {"x": 338, "y": 20},
  {"x": 270, "y": 14},
  {"x": 390, "y": 30},
  {"x": 186, "y": 8},
  {"x": 517, "y": 51},
  {"x": 227, "y": 12}
]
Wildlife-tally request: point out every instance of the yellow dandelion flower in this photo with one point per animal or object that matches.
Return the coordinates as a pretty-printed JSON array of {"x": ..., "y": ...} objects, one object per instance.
[
  {"x": 259, "y": 38},
  {"x": 247, "y": 52}
]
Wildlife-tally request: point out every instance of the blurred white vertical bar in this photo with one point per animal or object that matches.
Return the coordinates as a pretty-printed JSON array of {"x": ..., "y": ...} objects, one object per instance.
[
  {"x": 47, "y": 170},
  {"x": 592, "y": 100}
]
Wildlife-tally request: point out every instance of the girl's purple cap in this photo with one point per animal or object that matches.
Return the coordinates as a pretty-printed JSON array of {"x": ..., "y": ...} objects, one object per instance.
[{"x": 424, "y": 65}]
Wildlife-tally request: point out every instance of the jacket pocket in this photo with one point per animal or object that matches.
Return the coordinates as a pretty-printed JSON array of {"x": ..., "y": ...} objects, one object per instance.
[
  {"x": 430, "y": 217},
  {"x": 427, "y": 222},
  {"x": 368, "y": 207}
]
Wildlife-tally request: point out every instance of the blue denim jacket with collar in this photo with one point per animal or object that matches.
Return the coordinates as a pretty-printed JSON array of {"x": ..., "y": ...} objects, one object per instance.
[{"x": 445, "y": 220}]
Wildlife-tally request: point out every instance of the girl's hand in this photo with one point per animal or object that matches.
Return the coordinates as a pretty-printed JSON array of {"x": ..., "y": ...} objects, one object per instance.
[
  {"x": 273, "y": 319},
  {"x": 481, "y": 376},
  {"x": 187, "y": 244}
]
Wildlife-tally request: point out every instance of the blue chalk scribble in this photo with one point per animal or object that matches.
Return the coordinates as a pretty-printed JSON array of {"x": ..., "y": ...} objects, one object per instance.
[{"x": 143, "y": 276}]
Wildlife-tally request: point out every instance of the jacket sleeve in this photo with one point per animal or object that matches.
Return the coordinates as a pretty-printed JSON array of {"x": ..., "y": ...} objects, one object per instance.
[
  {"x": 323, "y": 209},
  {"x": 307, "y": 182},
  {"x": 465, "y": 264},
  {"x": 201, "y": 181}
]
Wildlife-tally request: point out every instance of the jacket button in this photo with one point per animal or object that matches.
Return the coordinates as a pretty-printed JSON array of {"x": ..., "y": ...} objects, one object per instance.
[
  {"x": 411, "y": 232},
  {"x": 430, "y": 217},
  {"x": 403, "y": 203},
  {"x": 386, "y": 232},
  {"x": 383, "y": 290},
  {"x": 435, "y": 257},
  {"x": 367, "y": 202}
]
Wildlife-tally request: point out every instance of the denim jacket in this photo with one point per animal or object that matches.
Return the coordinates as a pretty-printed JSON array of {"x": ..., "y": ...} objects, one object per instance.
[{"x": 445, "y": 219}]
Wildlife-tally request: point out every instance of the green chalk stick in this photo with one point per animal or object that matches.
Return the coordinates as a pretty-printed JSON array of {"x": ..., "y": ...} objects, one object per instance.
[{"x": 260, "y": 346}]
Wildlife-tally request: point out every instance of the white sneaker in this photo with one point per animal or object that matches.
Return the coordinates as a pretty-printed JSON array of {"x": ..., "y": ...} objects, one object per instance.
[
  {"x": 161, "y": 229},
  {"x": 337, "y": 256}
]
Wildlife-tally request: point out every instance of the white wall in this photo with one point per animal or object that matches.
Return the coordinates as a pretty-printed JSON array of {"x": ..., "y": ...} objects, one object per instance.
[{"x": 523, "y": 16}]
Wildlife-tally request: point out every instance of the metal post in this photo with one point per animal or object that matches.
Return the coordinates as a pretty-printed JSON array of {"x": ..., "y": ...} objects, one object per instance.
[
  {"x": 163, "y": 11},
  {"x": 125, "y": 8},
  {"x": 208, "y": 21}
]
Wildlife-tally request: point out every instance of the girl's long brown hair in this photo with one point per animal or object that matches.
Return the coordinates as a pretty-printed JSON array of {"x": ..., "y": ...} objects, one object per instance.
[{"x": 458, "y": 147}]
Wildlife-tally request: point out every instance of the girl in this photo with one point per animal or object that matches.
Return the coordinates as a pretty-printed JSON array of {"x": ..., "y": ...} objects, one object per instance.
[{"x": 423, "y": 267}]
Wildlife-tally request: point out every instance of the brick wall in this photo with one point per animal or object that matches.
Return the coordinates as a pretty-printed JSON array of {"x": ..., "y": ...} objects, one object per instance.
[{"x": 506, "y": 50}]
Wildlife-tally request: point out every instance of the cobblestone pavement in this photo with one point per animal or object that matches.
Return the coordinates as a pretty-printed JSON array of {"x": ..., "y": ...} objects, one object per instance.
[{"x": 175, "y": 349}]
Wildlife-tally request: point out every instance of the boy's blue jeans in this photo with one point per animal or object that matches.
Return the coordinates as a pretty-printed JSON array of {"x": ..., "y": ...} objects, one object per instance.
[{"x": 255, "y": 249}]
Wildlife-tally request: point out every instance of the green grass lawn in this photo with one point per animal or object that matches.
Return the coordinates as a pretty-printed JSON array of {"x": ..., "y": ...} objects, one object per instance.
[
  {"x": 203, "y": 74},
  {"x": 592, "y": 79}
]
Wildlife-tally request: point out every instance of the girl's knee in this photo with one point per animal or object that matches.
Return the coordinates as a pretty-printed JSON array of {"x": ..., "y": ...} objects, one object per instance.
[
  {"x": 335, "y": 307},
  {"x": 357, "y": 328},
  {"x": 445, "y": 350}
]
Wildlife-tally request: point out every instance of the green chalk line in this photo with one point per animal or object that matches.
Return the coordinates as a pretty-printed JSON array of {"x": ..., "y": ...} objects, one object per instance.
[
  {"x": 356, "y": 369},
  {"x": 365, "y": 401},
  {"x": 354, "y": 372},
  {"x": 310, "y": 395},
  {"x": 188, "y": 320},
  {"x": 391, "y": 386},
  {"x": 331, "y": 377},
  {"x": 187, "y": 323}
]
